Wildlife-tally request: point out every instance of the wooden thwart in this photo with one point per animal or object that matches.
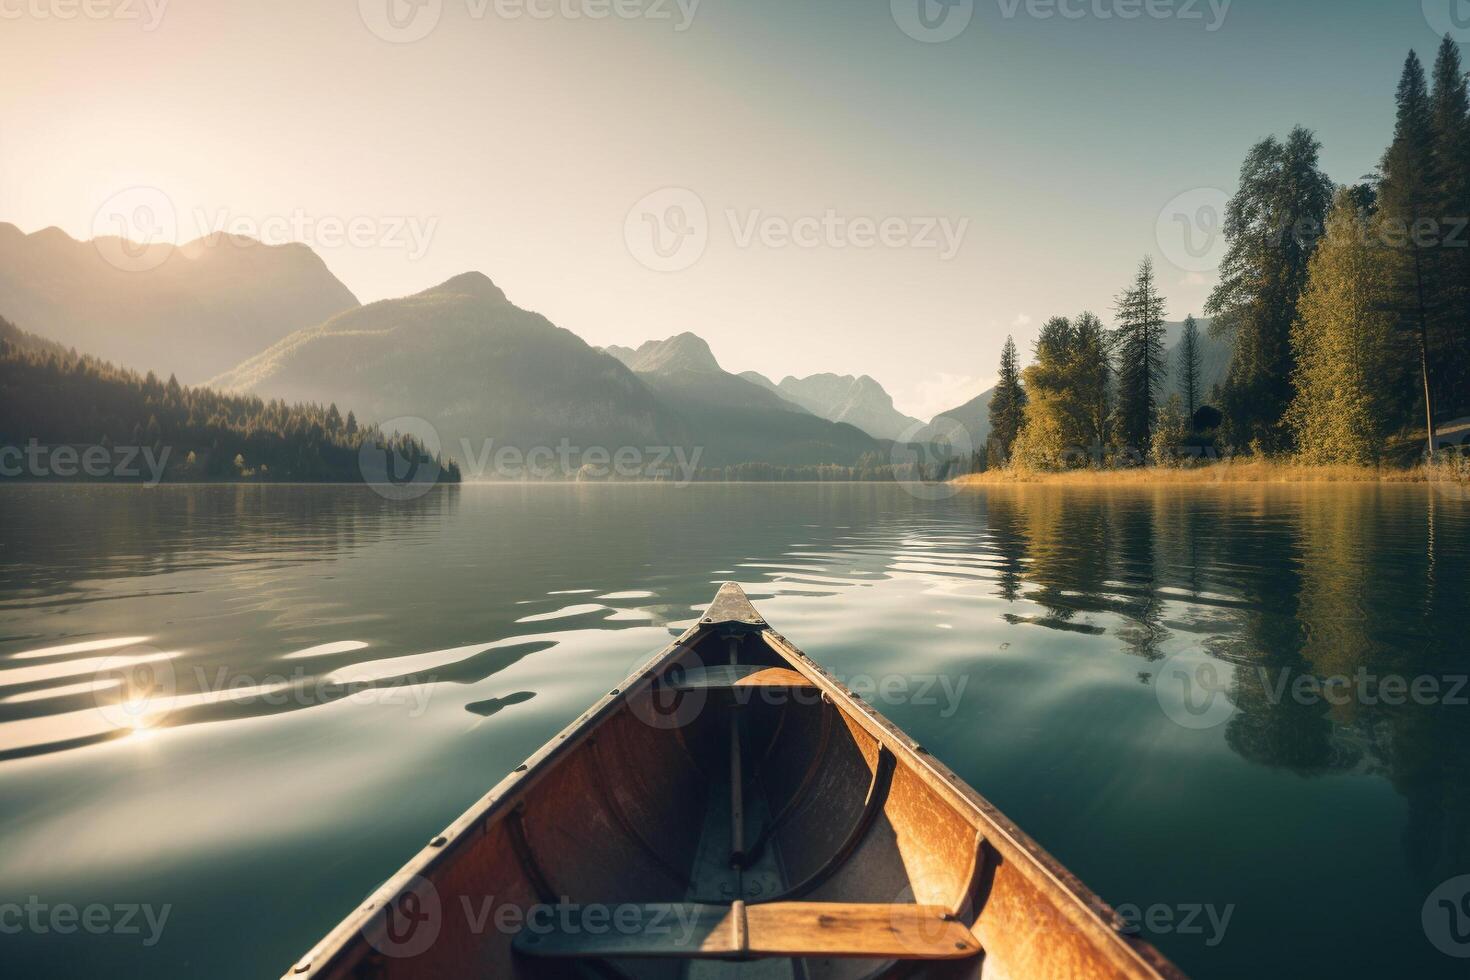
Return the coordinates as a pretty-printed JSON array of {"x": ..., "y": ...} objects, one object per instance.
[
  {"x": 797, "y": 929},
  {"x": 738, "y": 675}
]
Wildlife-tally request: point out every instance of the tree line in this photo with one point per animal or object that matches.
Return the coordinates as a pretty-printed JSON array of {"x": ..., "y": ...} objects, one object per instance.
[
  {"x": 53, "y": 396},
  {"x": 1348, "y": 308}
]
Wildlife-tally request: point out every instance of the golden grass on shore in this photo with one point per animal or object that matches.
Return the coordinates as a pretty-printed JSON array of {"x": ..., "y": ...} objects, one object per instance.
[{"x": 1234, "y": 471}]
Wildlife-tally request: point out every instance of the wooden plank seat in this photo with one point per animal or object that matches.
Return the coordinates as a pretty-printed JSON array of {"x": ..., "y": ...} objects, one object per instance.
[
  {"x": 732, "y": 676},
  {"x": 740, "y": 931}
]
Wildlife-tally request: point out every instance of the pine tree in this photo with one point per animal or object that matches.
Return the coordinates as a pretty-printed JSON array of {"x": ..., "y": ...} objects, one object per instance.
[
  {"x": 1007, "y": 403},
  {"x": 1451, "y": 152},
  {"x": 1271, "y": 224},
  {"x": 1092, "y": 377},
  {"x": 1344, "y": 346},
  {"x": 1405, "y": 202},
  {"x": 1189, "y": 365},
  {"x": 1138, "y": 342}
]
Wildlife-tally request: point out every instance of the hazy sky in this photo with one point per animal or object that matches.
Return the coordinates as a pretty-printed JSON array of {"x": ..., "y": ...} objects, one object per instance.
[{"x": 828, "y": 192}]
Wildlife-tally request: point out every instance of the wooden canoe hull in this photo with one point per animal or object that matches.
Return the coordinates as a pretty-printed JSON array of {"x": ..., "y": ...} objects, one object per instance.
[{"x": 856, "y": 854}]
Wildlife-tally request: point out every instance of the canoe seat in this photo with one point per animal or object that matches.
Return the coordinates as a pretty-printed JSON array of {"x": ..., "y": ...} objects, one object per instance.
[
  {"x": 740, "y": 931},
  {"x": 727, "y": 676}
]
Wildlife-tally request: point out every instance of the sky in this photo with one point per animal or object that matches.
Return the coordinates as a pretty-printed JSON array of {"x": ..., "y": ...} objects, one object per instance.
[{"x": 882, "y": 187}]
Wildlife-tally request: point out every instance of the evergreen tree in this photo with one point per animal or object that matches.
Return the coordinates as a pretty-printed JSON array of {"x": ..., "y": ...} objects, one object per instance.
[
  {"x": 1189, "y": 365},
  {"x": 1271, "y": 226},
  {"x": 1138, "y": 342},
  {"x": 1007, "y": 403},
  {"x": 1092, "y": 380},
  {"x": 1406, "y": 202},
  {"x": 1344, "y": 346},
  {"x": 1451, "y": 121}
]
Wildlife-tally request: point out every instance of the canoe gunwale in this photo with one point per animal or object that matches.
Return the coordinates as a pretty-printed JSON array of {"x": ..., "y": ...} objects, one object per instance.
[
  {"x": 493, "y": 806},
  {"x": 732, "y": 614},
  {"x": 1085, "y": 908}
]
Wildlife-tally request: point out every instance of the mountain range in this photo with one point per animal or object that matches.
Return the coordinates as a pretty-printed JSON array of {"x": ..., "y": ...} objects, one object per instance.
[
  {"x": 859, "y": 401},
  {"x": 274, "y": 322},
  {"x": 735, "y": 419},
  {"x": 193, "y": 310}
]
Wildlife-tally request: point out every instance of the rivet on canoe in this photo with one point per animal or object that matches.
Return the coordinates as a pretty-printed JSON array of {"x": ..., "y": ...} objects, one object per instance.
[
  {"x": 522, "y": 767},
  {"x": 961, "y": 946},
  {"x": 613, "y": 693},
  {"x": 439, "y": 841},
  {"x": 302, "y": 967}
]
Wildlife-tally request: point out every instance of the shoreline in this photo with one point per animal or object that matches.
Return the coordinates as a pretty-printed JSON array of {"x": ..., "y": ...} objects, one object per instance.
[{"x": 1213, "y": 474}]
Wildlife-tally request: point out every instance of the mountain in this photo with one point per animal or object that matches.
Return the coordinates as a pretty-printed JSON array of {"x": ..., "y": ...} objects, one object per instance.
[
  {"x": 733, "y": 419},
  {"x": 974, "y": 415},
  {"x": 966, "y": 427},
  {"x": 194, "y": 310},
  {"x": 682, "y": 352},
  {"x": 470, "y": 362},
  {"x": 857, "y": 401}
]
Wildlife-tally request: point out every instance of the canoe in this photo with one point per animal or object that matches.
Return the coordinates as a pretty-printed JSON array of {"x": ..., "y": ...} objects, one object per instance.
[{"x": 731, "y": 810}]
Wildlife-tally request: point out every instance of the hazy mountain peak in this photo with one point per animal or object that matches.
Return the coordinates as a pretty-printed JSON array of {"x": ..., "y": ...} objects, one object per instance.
[
  {"x": 681, "y": 352},
  {"x": 473, "y": 284},
  {"x": 196, "y": 310},
  {"x": 859, "y": 401}
]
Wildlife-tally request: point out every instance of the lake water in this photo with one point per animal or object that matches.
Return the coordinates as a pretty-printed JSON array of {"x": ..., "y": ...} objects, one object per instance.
[{"x": 1128, "y": 674}]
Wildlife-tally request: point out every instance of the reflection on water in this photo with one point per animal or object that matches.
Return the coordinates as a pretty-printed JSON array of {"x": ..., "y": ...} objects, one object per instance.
[{"x": 252, "y": 704}]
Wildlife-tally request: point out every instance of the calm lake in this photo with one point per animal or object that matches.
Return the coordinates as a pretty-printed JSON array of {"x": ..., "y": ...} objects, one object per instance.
[{"x": 1143, "y": 680}]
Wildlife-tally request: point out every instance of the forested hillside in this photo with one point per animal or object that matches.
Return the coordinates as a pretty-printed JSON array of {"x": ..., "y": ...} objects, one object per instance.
[{"x": 117, "y": 424}]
